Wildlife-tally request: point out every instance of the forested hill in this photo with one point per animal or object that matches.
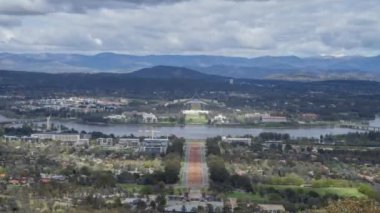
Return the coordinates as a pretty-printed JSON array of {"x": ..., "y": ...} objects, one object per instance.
[
  {"x": 179, "y": 79},
  {"x": 170, "y": 72},
  {"x": 144, "y": 82},
  {"x": 329, "y": 99},
  {"x": 267, "y": 67},
  {"x": 175, "y": 82}
]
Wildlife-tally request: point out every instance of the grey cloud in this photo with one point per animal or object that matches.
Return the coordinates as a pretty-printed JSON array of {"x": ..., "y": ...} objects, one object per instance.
[
  {"x": 226, "y": 27},
  {"x": 9, "y": 22},
  {"x": 41, "y": 7},
  {"x": 23, "y": 7}
]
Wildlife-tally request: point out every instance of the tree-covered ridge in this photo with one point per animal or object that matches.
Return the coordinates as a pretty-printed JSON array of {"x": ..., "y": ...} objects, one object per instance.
[{"x": 331, "y": 100}]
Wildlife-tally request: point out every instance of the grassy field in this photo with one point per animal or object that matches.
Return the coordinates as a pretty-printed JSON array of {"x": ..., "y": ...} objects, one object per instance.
[
  {"x": 196, "y": 119},
  {"x": 341, "y": 192},
  {"x": 247, "y": 196}
]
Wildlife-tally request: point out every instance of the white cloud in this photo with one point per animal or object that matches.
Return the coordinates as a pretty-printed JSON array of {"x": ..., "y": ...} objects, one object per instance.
[{"x": 227, "y": 27}]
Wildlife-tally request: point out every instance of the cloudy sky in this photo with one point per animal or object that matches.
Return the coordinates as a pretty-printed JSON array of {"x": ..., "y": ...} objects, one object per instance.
[{"x": 217, "y": 27}]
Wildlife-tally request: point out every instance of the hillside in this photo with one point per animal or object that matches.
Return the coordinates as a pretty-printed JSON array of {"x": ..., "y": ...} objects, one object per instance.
[
  {"x": 170, "y": 72},
  {"x": 282, "y": 67}
]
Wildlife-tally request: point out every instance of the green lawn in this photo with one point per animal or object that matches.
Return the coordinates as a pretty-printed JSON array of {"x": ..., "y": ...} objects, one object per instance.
[
  {"x": 340, "y": 191},
  {"x": 343, "y": 192},
  {"x": 247, "y": 196},
  {"x": 196, "y": 119}
]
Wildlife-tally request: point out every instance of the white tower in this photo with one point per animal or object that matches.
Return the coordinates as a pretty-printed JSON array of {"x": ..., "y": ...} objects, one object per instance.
[{"x": 48, "y": 124}]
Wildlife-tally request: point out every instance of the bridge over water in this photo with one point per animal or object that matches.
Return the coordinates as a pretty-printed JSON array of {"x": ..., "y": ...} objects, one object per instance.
[{"x": 359, "y": 126}]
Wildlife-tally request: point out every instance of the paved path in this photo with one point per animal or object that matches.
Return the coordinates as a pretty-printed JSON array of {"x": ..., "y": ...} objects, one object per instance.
[{"x": 195, "y": 167}]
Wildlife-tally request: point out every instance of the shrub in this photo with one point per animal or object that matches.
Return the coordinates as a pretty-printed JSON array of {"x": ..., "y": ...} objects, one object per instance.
[
  {"x": 367, "y": 190},
  {"x": 291, "y": 179}
]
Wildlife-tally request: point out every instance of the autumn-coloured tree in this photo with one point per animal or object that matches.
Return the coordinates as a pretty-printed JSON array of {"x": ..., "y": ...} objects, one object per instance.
[{"x": 353, "y": 206}]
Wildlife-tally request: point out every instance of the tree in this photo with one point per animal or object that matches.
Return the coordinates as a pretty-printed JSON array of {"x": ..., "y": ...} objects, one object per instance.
[
  {"x": 353, "y": 205},
  {"x": 210, "y": 208},
  {"x": 126, "y": 177},
  {"x": 104, "y": 179},
  {"x": 146, "y": 190},
  {"x": 182, "y": 120},
  {"x": 161, "y": 202},
  {"x": 212, "y": 145},
  {"x": 218, "y": 171},
  {"x": 141, "y": 205},
  {"x": 288, "y": 147},
  {"x": 153, "y": 204},
  {"x": 117, "y": 202},
  {"x": 176, "y": 145},
  {"x": 242, "y": 182},
  {"x": 257, "y": 147},
  {"x": 367, "y": 190}
]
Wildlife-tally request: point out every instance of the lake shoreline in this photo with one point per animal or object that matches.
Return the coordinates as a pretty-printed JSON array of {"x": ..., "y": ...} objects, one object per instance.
[{"x": 196, "y": 131}]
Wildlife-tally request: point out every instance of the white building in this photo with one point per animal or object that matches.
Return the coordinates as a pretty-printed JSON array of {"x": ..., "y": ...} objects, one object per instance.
[
  {"x": 154, "y": 146},
  {"x": 82, "y": 142},
  {"x": 195, "y": 112},
  {"x": 66, "y": 137},
  {"x": 133, "y": 143},
  {"x": 43, "y": 136},
  {"x": 9, "y": 138},
  {"x": 48, "y": 124},
  {"x": 29, "y": 139},
  {"x": 274, "y": 119},
  {"x": 116, "y": 117},
  {"x": 149, "y": 118},
  {"x": 255, "y": 117},
  {"x": 105, "y": 141},
  {"x": 57, "y": 137},
  {"x": 220, "y": 119}
]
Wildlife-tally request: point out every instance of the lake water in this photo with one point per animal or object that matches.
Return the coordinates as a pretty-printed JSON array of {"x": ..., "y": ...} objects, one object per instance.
[
  {"x": 4, "y": 119},
  {"x": 375, "y": 123},
  {"x": 202, "y": 132}
]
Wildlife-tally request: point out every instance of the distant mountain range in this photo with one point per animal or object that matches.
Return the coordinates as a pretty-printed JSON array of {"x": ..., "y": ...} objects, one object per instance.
[{"x": 282, "y": 67}]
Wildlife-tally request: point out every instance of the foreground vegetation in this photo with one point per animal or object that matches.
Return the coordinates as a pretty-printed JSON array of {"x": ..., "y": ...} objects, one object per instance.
[{"x": 291, "y": 172}]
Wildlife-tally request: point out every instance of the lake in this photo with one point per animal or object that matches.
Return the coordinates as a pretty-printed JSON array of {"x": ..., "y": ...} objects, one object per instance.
[
  {"x": 202, "y": 132},
  {"x": 4, "y": 119},
  {"x": 375, "y": 123}
]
